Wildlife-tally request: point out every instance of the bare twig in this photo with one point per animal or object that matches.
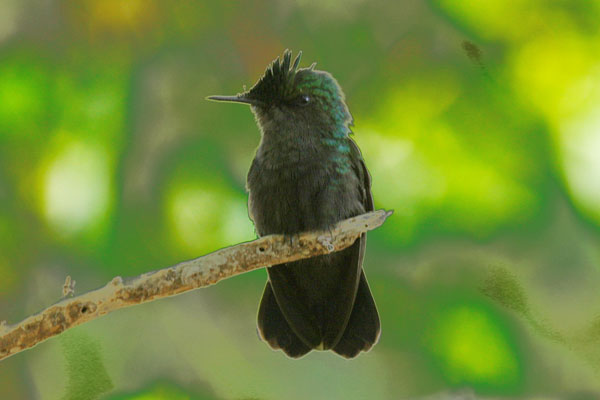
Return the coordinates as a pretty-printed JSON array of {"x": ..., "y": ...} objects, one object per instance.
[{"x": 200, "y": 272}]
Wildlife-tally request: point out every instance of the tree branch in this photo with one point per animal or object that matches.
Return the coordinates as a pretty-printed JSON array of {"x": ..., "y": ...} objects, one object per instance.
[{"x": 200, "y": 272}]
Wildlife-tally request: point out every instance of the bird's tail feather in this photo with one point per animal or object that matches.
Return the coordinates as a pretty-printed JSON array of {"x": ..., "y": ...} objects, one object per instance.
[
  {"x": 274, "y": 329},
  {"x": 363, "y": 328}
]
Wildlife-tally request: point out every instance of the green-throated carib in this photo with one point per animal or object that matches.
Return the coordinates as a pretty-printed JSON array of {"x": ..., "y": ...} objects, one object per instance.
[{"x": 307, "y": 175}]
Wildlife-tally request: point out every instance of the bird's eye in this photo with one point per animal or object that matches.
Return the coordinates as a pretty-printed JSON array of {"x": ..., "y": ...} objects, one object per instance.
[{"x": 304, "y": 99}]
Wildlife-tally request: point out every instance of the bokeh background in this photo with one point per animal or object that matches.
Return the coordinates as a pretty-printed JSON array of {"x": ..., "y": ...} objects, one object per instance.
[{"x": 479, "y": 122}]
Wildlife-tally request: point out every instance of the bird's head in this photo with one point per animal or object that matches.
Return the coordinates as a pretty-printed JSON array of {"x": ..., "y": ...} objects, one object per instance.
[{"x": 304, "y": 99}]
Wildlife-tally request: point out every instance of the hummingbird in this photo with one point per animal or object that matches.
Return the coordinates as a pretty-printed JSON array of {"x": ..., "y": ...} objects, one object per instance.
[{"x": 308, "y": 174}]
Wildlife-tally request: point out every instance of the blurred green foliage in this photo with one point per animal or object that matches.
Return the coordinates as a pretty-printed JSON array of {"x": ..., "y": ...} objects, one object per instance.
[
  {"x": 479, "y": 124},
  {"x": 88, "y": 378}
]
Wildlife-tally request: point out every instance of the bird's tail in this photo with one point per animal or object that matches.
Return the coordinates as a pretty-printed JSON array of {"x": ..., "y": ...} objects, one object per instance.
[{"x": 361, "y": 333}]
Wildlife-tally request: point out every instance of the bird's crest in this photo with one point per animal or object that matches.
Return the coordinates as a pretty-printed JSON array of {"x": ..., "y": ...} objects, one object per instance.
[{"x": 278, "y": 79}]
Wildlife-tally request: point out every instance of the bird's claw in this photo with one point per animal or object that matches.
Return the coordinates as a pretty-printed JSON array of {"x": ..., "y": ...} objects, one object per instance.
[
  {"x": 293, "y": 239},
  {"x": 327, "y": 241}
]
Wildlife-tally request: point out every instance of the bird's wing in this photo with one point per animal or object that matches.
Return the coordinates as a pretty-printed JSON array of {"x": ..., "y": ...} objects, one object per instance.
[
  {"x": 363, "y": 328},
  {"x": 360, "y": 169}
]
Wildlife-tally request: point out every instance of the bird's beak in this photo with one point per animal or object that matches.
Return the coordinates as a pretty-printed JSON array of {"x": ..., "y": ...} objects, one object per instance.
[{"x": 240, "y": 98}]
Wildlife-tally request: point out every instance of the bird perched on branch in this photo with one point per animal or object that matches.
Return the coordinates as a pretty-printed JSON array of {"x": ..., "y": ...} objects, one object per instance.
[{"x": 307, "y": 175}]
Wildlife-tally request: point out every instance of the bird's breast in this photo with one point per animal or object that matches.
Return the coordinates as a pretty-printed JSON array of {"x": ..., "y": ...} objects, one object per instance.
[{"x": 300, "y": 196}]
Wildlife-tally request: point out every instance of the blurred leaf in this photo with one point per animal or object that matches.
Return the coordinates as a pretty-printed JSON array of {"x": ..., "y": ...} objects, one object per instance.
[
  {"x": 164, "y": 391},
  {"x": 87, "y": 375},
  {"x": 472, "y": 346},
  {"x": 25, "y": 90}
]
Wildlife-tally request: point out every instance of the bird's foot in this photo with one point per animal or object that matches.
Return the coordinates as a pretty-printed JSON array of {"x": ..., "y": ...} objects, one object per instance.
[
  {"x": 292, "y": 239},
  {"x": 327, "y": 241}
]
